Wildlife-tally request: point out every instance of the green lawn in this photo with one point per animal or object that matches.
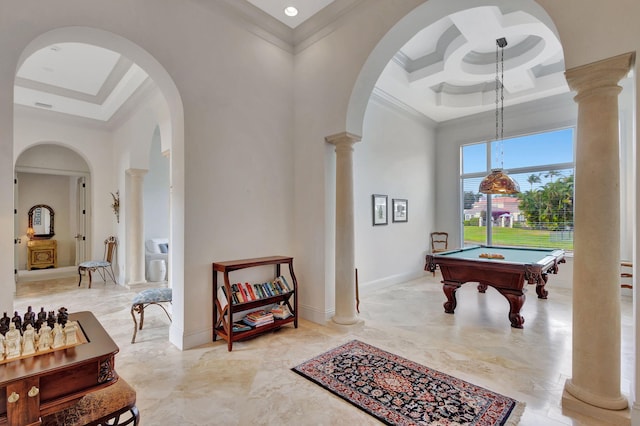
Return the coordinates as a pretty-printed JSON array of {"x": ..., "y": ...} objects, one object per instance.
[{"x": 517, "y": 237}]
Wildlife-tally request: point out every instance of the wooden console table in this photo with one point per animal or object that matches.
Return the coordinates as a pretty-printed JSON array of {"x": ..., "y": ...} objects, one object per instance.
[
  {"x": 36, "y": 386},
  {"x": 42, "y": 254}
]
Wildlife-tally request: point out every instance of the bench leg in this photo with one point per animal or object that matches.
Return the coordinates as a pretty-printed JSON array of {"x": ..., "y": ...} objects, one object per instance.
[{"x": 139, "y": 308}]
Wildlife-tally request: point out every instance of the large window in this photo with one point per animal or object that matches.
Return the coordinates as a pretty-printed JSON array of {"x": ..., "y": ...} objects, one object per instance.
[{"x": 542, "y": 214}]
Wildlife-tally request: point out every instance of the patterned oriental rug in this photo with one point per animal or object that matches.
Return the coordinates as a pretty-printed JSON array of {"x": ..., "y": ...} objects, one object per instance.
[{"x": 400, "y": 392}]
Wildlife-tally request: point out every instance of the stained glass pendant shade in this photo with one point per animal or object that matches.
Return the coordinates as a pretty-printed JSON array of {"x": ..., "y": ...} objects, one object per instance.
[{"x": 498, "y": 182}]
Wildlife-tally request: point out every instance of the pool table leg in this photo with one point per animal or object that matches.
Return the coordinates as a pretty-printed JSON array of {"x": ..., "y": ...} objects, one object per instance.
[
  {"x": 516, "y": 300},
  {"x": 540, "y": 287},
  {"x": 449, "y": 288}
]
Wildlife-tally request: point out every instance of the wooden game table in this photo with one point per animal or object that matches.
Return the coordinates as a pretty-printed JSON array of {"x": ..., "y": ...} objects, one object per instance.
[
  {"x": 36, "y": 386},
  {"x": 506, "y": 269}
]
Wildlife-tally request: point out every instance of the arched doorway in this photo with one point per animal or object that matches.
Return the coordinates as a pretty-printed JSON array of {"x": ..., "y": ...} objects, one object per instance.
[
  {"x": 62, "y": 185},
  {"x": 167, "y": 116}
]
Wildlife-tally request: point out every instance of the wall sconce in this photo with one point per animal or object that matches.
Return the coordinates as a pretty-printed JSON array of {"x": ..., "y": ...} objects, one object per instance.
[
  {"x": 116, "y": 205},
  {"x": 30, "y": 232}
]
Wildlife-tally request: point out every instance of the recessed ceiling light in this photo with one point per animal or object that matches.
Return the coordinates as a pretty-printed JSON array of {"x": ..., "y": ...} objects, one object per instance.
[{"x": 290, "y": 11}]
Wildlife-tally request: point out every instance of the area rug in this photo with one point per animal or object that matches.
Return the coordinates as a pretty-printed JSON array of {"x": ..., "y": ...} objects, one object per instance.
[{"x": 398, "y": 391}]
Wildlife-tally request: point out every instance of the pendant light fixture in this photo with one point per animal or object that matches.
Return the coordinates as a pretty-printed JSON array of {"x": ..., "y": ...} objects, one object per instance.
[{"x": 498, "y": 182}]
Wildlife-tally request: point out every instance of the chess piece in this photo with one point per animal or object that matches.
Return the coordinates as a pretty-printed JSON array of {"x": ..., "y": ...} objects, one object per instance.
[
  {"x": 12, "y": 341},
  {"x": 44, "y": 338},
  {"x": 1, "y": 347},
  {"x": 51, "y": 319},
  {"x": 70, "y": 333},
  {"x": 58, "y": 336},
  {"x": 17, "y": 321},
  {"x": 42, "y": 319},
  {"x": 29, "y": 340},
  {"x": 4, "y": 324},
  {"x": 29, "y": 318},
  {"x": 63, "y": 316}
]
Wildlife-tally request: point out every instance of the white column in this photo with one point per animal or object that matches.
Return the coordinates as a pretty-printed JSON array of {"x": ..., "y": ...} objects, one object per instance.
[
  {"x": 345, "y": 291},
  {"x": 594, "y": 387},
  {"x": 134, "y": 227}
]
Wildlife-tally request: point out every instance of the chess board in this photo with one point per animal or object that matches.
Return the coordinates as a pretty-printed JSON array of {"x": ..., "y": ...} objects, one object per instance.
[{"x": 81, "y": 339}]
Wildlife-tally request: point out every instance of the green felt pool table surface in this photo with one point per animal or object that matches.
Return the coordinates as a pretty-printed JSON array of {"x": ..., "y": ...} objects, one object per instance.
[{"x": 511, "y": 254}]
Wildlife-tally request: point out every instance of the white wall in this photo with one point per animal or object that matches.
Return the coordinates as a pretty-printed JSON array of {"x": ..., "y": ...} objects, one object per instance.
[
  {"x": 156, "y": 193},
  {"x": 395, "y": 158}
]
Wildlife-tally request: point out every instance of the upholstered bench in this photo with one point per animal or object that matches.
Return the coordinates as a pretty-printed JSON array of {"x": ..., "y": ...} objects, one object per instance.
[
  {"x": 150, "y": 296},
  {"x": 113, "y": 405}
]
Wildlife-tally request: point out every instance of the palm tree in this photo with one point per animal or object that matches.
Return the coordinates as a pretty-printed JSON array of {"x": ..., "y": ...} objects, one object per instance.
[
  {"x": 533, "y": 179},
  {"x": 552, "y": 173}
]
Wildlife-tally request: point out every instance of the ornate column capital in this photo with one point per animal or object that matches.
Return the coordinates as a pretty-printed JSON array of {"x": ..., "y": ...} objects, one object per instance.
[
  {"x": 343, "y": 139},
  {"x": 137, "y": 172},
  {"x": 593, "y": 78}
]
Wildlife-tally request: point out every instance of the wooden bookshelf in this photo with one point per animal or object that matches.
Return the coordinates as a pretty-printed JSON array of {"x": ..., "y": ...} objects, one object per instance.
[{"x": 223, "y": 315}]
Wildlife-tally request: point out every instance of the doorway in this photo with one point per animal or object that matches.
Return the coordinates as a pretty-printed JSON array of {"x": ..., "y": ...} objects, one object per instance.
[{"x": 63, "y": 187}]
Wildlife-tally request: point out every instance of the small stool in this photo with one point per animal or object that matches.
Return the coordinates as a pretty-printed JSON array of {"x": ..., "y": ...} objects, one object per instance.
[
  {"x": 150, "y": 296},
  {"x": 102, "y": 407},
  {"x": 157, "y": 270}
]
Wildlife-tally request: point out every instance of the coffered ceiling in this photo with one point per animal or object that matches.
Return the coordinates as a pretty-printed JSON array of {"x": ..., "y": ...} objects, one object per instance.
[
  {"x": 77, "y": 79},
  {"x": 445, "y": 71}
]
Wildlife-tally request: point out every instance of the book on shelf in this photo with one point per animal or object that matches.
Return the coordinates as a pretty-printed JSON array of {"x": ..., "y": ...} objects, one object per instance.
[
  {"x": 258, "y": 318},
  {"x": 238, "y": 293},
  {"x": 249, "y": 289},
  {"x": 273, "y": 289},
  {"x": 239, "y": 326},
  {"x": 258, "y": 291},
  {"x": 281, "y": 311},
  {"x": 222, "y": 297},
  {"x": 286, "y": 283},
  {"x": 278, "y": 286},
  {"x": 266, "y": 290},
  {"x": 244, "y": 293}
]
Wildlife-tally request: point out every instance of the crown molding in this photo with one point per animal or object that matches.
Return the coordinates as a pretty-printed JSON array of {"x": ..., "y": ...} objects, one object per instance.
[
  {"x": 383, "y": 98},
  {"x": 254, "y": 20},
  {"x": 322, "y": 23},
  {"x": 265, "y": 26}
]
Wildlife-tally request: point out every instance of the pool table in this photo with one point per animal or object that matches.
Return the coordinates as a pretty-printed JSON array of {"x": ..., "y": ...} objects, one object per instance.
[{"x": 504, "y": 268}]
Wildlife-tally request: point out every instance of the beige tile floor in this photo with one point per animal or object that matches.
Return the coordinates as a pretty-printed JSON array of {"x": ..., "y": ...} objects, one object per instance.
[{"x": 253, "y": 384}]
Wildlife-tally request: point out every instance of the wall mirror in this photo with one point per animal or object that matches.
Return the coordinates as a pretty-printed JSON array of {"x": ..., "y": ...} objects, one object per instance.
[{"x": 41, "y": 222}]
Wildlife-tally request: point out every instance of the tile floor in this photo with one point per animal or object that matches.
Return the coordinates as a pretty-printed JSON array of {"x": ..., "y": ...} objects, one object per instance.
[{"x": 253, "y": 384}]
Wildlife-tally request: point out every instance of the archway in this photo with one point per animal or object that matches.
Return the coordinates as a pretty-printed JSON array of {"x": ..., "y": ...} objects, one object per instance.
[
  {"x": 59, "y": 177},
  {"x": 535, "y": 24},
  {"x": 170, "y": 121}
]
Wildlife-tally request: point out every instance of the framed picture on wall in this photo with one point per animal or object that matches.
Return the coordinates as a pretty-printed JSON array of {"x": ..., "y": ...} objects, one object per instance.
[
  {"x": 399, "y": 210},
  {"x": 379, "y": 205}
]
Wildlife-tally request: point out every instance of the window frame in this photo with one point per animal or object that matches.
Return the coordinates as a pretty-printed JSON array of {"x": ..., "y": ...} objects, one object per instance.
[{"x": 511, "y": 171}]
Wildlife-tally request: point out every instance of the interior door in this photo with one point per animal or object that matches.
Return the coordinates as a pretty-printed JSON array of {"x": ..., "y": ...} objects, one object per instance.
[{"x": 81, "y": 219}]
